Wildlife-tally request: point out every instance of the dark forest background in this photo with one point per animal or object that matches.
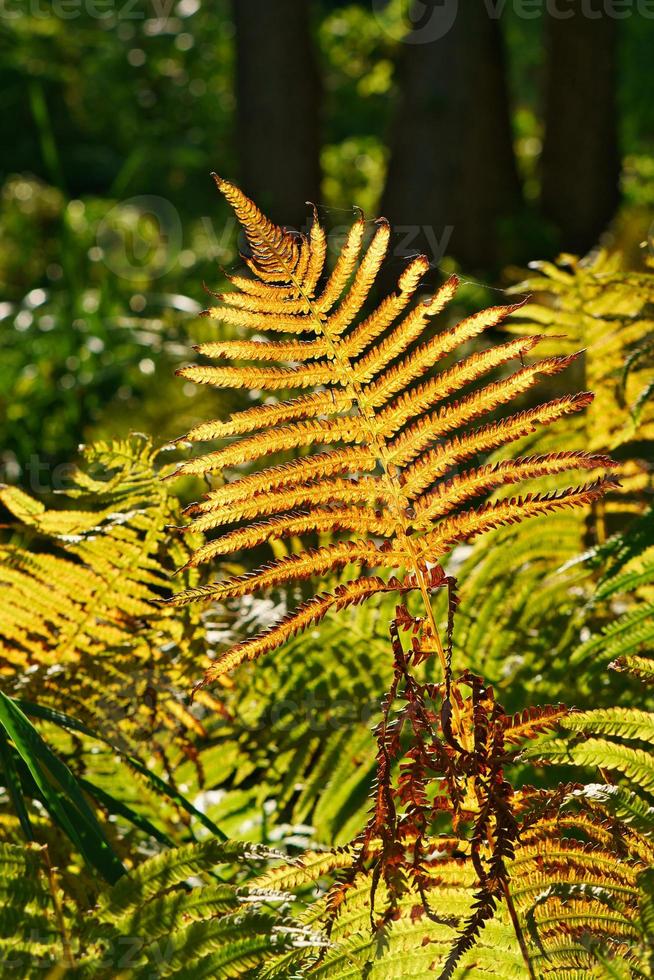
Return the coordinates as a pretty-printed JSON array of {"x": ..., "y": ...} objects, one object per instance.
[{"x": 489, "y": 140}]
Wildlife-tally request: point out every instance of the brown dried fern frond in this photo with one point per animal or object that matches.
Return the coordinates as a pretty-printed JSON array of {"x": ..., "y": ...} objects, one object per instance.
[{"x": 383, "y": 437}]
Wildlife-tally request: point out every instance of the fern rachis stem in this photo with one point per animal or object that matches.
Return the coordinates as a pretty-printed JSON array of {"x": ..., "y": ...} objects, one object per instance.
[
  {"x": 508, "y": 898},
  {"x": 69, "y": 959}
]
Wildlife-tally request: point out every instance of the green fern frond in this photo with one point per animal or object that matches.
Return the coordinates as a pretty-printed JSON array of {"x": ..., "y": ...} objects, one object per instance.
[
  {"x": 35, "y": 920},
  {"x": 170, "y": 918},
  {"x": 635, "y": 764},
  {"x": 629, "y": 723},
  {"x": 296, "y": 733}
]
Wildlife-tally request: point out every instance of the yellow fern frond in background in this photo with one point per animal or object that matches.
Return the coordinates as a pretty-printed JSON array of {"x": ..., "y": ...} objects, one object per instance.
[
  {"x": 80, "y": 628},
  {"x": 598, "y": 305},
  {"x": 390, "y": 422}
]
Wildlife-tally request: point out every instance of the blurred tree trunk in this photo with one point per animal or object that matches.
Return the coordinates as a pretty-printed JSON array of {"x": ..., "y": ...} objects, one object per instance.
[
  {"x": 452, "y": 172},
  {"x": 581, "y": 158},
  {"x": 278, "y": 106}
]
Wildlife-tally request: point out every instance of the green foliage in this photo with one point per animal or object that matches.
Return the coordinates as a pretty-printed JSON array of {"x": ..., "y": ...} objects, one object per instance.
[
  {"x": 90, "y": 654},
  {"x": 107, "y": 765},
  {"x": 613, "y": 891},
  {"x": 91, "y": 320},
  {"x": 599, "y": 304},
  {"x": 90, "y": 571},
  {"x": 56, "y": 787},
  {"x": 174, "y": 916},
  {"x": 291, "y": 753},
  {"x": 85, "y": 139}
]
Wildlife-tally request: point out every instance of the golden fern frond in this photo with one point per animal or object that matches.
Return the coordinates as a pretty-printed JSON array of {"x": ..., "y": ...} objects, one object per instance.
[
  {"x": 498, "y": 513},
  {"x": 450, "y": 494},
  {"x": 532, "y": 721},
  {"x": 292, "y": 525},
  {"x": 276, "y": 250},
  {"x": 347, "y": 429},
  {"x": 266, "y": 378},
  {"x": 397, "y": 378},
  {"x": 258, "y": 350},
  {"x": 379, "y": 439},
  {"x": 418, "y": 437}
]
